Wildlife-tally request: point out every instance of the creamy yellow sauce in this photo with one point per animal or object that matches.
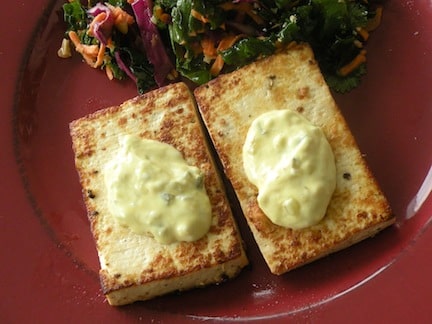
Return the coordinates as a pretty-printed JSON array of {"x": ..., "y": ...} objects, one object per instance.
[
  {"x": 152, "y": 189},
  {"x": 292, "y": 164}
]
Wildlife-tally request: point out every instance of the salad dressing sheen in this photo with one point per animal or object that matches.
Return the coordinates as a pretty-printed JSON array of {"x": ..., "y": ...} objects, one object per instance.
[
  {"x": 151, "y": 189},
  {"x": 292, "y": 164}
]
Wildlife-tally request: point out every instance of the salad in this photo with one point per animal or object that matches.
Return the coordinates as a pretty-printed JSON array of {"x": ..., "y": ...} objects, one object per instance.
[{"x": 156, "y": 42}]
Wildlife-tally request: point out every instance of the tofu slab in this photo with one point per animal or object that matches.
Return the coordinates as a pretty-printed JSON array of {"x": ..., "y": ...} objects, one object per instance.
[
  {"x": 291, "y": 79},
  {"x": 137, "y": 267}
]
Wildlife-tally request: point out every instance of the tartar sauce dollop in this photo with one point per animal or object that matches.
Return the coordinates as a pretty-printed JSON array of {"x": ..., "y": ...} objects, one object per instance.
[
  {"x": 292, "y": 164},
  {"x": 152, "y": 189}
]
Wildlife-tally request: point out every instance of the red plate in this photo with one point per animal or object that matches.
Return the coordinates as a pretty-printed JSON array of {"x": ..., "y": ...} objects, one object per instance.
[{"x": 48, "y": 259}]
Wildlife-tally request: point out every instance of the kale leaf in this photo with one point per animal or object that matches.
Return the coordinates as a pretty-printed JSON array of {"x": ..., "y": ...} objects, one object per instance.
[
  {"x": 247, "y": 50},
  {"x": 330, "y": 27},
  {"x": 75, "y": 15}
]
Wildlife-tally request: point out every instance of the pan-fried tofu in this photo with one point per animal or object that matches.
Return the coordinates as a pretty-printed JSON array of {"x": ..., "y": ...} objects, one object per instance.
[
  {"x": 291, "y": 79},
  {"x": 136, "y": 266}
]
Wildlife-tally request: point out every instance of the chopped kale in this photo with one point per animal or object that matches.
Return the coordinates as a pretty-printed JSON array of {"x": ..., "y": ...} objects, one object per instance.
[
  {"x": 247, "y": 50},
  {"x": 196, "y": 35}
]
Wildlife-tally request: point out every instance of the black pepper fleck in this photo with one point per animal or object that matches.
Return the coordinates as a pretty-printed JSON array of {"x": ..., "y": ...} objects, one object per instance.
[
  {"x": 347, "y": 176},
  {"x": 90, "y": 194},
  {"x": 272, "y": 78}
]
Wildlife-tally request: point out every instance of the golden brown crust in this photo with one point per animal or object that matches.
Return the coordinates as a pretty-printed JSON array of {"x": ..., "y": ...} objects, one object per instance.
[
  {"x": 133, "y": 266},
  {"x": 291, "y": 79}
]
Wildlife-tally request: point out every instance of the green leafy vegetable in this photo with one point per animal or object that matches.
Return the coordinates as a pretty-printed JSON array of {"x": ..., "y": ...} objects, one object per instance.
[
  {"x": 198, "y": 36},
  {"x": 75, "y": 15},
  {"x": 139, "y": 66},
  {"x": 246, "y": 50},
  {"x": 345, "y": 84},
  {"x": 330, "y": 27},
  {"x": 124, "y": 56}
]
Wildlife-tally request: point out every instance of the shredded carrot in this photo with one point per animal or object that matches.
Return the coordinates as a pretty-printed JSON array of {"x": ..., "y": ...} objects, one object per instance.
[
  {"x": 199, "y": 16},
  {"x": 161, "y": 15},
  {"x": 119, "y": 13},
  {"x": 193, "y": 33},
  {"x": 91, "y": 50},
  {"x": 224, "y": 44},
  {"x": 109, "y": 72},
  {"x": 110, "y": 44},
  {"x": 172, "y": 75},
  {"x": 217, "y": 66},
  {"x": 122, "y": 19},
  {"x": 209, "y": 48},
  {"x": 99, "y": 18},
  {"x": 228, "y": 41},
  {"x": 122, "y": 15},
  {"x": 376, "y": 20},
  {"x": 87, "y": 51},
  {"x": 73, "y": 36},
  {"x": 89, "y": 60},
  {"x": 351, "y": 66},
  {"x": 357, "y": 43},
  {"x": 363, "y": 33},
  {"x": 100, "y": 56},
  {"x": 92, "y": 54}
]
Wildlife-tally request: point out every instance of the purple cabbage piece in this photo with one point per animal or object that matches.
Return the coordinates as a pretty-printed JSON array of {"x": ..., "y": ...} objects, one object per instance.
[
  {"x": 123, "y": 66},
  {"x": 97, "y": 9},
  {"x": 152, "y": 42},
  {"x": 102, "y": 30}
]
